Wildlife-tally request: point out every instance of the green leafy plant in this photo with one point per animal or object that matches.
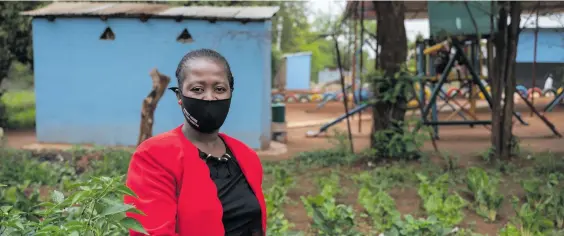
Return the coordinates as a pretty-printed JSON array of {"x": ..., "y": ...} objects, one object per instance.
[
  {"x": 330, "y": 217},
  {"x": 411, "y": 226},
  {"x": 275, "y": 198},
  {"x": 107, "y": 162},
  {"x": 483, "y": 187},
  {"x": 94, "y": 208},
  {"x": 547, "y": 197},
  {"x": 22, "y": 199},
  {"x": 386, "y": 177},
  {"x": 529, "y": 220},
  {"x": 509, "y": 230},
  {"x": 400, "y": 141},
  {"x": 324, "y": 158},
  {"x": 380, "y": 207},
  {"x": 447, "y": 208}
]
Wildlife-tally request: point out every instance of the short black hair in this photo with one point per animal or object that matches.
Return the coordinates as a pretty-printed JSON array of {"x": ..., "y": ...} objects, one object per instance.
[{"x": 203, "y": 53}]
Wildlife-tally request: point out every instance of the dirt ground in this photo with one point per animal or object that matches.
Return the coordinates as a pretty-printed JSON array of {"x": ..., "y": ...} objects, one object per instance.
[{"x": 462, "y": 140}]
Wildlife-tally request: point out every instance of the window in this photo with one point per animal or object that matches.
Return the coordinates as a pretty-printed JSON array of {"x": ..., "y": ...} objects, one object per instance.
[
  {"x": 108, "y": 34},
  {"x": 185, "y": 37}
]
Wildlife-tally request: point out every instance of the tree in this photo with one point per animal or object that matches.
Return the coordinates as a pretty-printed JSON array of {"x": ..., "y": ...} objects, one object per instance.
[
  {"x": 392, "y": 40},
  {"x": 504, "y": 80},
  {"x": 15, "y": 40}
]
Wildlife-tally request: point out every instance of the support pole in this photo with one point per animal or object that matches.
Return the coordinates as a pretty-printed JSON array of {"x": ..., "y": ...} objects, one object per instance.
[
  {"x": 535, "y": 42},
  {"x": 472, "y": 82},
  {"x": 542, "y": 117},
  {"x": 344, "y": 90},
  {"x": 557, "y": 99},
  {"x": 353, "y": 57},
  {"x": 361, "y": 64},
  {"x": 435, "y": 113}
]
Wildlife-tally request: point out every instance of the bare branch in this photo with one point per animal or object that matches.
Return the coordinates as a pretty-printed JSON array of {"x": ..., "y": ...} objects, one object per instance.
[{"x": 537, "y": 8}]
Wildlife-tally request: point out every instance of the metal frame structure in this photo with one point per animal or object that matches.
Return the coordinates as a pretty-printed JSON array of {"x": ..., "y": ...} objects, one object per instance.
[
  {"x": 557, "y": 99},
  {"x": 437, "y": 88}
]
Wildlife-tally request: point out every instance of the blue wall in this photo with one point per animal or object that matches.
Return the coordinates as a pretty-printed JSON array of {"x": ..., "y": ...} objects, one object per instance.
[
  {"x": 90, "y": 90},
  {"x": 298, "y": 70},
  {"x": 550, "y": 46}
]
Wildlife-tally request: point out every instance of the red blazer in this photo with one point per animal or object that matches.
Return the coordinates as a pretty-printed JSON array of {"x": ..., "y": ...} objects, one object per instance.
[{"x": 175, "y": 190}]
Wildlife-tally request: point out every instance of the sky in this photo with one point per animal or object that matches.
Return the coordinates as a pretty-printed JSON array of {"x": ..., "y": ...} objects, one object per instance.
[{"x": 413, "y": 27}]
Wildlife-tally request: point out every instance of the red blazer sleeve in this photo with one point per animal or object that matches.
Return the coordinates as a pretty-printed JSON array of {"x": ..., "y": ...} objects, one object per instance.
[{"x": 155, "y": 187}]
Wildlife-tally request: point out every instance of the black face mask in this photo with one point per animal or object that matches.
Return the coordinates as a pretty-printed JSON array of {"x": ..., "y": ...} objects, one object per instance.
[{"x": 205, "y": 116}]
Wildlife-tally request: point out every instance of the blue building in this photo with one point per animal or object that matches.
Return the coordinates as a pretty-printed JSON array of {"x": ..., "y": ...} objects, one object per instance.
[
  {"x": 550, "y": 56},
  {"x": 92, "y": 64},
  {"x": 298, "y": 71}
]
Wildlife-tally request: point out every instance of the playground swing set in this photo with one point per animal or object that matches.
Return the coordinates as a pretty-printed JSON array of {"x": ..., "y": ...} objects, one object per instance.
[{"x": 466, "y": 41}]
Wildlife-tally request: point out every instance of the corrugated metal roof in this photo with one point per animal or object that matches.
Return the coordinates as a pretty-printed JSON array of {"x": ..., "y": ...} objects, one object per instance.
[
  {"x": 156, "y": 10},
  {"x": 418, "y": 9}
]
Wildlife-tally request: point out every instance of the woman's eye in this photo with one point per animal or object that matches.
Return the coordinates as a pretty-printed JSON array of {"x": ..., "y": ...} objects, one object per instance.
[
  {"x": 221, "y": 89},
  {"x": 197, "y": 89}
]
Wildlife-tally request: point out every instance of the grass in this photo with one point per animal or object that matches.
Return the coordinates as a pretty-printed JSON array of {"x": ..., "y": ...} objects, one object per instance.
[{"x": 20, "y": 108}]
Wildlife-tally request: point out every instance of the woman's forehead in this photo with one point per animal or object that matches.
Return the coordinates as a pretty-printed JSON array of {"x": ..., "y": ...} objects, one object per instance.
[
  {"x": 205, "y": 64},
  {"x": 205, "y": 70}
]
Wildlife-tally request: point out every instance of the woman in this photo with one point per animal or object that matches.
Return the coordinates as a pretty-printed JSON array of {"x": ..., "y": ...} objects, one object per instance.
[{"x": 192, "y": 180}]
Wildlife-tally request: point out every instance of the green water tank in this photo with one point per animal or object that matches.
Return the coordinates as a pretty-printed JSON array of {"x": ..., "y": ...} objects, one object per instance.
[
  {"x": 279, "y": 112},
  {"x": 454, "y": 18}
]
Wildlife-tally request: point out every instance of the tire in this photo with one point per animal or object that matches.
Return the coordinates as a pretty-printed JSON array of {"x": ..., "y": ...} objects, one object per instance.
[
  {"x": 549, "y": 93},
  {"x": 291, "y": 98},
  {"x": 522, "y": 90},
  {"x": 536, "y": 92},
  {"x": 276, "y": 98},
  {"x": 316, "y": 97},
  {"x": 303, "y": 98}
]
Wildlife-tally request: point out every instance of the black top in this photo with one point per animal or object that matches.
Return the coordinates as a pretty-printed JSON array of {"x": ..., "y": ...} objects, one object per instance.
[{"x": 241, "y": 209}]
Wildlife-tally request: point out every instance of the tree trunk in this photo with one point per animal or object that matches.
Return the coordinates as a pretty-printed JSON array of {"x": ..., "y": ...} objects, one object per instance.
[
  {"x": 160, "y": 83},
  {"x": 504, "y": 80},
  {"x": 498, "y": 82},
  {"x": 393, "y": 41},
  {"x": 512, "y": 39}
]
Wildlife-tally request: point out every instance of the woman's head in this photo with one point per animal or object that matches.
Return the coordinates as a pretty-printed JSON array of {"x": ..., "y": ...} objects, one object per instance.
[
  {"x": 205, "y": 87},
  {"x": 205, "y": 74}
]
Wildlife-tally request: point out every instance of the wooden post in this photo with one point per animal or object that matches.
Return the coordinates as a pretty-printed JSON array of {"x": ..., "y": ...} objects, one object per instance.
[{"x": 160, "y": 82}]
